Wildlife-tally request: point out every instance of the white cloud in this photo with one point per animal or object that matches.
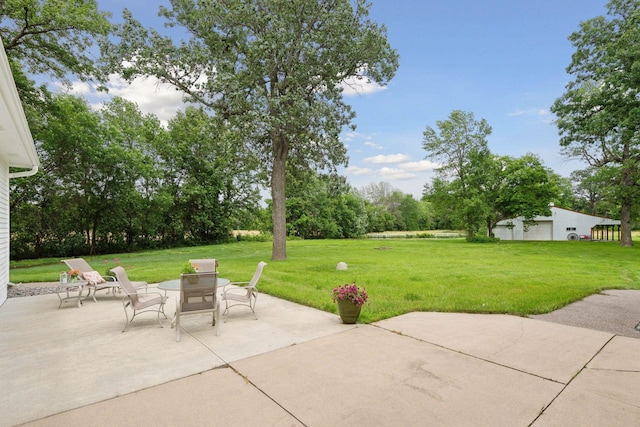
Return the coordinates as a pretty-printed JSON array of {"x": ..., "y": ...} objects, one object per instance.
[
  {"x": 373, "y": 145},
  {"x": 396, "y": 174},
  {"x": 150, "y": 95},
  {"x": 540, "y": 112},
  {"x": 358, "y": 171},
  {"x": 360, "y": 86},
  {"x": 421, "y": 166},
  {"x": 349, "y": 136},
  {"x": 388, "y": 159}
]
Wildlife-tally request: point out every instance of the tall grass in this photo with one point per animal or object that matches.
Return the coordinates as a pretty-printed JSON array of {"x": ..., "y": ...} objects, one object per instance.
[{"x": 401, "y": 275}]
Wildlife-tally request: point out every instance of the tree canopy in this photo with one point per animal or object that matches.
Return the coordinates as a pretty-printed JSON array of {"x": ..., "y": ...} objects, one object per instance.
[{"x": 598, "y": 116}]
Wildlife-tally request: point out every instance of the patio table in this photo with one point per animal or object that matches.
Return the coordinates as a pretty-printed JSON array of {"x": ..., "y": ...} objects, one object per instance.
[{"x": 65, "y": 295}]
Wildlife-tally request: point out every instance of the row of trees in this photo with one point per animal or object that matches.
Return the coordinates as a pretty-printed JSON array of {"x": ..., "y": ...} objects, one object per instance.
[{"x": 115, "y": 179}]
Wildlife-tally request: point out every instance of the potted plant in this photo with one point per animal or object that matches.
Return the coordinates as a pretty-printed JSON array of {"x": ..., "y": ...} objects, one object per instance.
[
  {"x": 350, "y": 299},
  {"x": 73, "y": 275},
  {"x": 191, "y": 269}
]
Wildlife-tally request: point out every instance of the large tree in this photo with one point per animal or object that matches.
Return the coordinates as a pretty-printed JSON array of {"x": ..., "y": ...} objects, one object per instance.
[
  {"x": 598, "y": 116},
  {"x": 460, "y": 145},
  {"x": 271, "y": 70}
]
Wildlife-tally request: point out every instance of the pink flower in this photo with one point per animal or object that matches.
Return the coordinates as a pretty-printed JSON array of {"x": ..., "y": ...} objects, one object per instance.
[{"x": 350, "y": 292}]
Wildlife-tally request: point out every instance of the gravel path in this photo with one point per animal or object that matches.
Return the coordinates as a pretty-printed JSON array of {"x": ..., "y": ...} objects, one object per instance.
[{"x": 31, "y": 289}]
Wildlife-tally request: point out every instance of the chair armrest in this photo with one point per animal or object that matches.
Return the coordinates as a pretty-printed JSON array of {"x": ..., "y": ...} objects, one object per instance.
[
  {"x": 243, "y": 290},
  {"x": 147, "y": 295},
  {"x": 237, "y": 283}
]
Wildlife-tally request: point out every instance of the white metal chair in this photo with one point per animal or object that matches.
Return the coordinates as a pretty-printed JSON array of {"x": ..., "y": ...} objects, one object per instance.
[
  {"x": 243, "y": 295},
  {"x": 198, "y": 294},
  {"x": 139, "y": 301}
]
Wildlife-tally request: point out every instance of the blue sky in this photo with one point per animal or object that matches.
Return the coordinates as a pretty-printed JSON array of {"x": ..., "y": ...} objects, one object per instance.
[{"x": 502, "y": 60}]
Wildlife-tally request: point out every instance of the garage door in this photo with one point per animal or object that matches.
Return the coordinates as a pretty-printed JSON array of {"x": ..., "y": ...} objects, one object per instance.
[{"x": 542, "y": 231}]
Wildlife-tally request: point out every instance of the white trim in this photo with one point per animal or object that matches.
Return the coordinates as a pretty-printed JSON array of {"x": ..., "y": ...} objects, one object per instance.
[{"x": 16, "y": 142}]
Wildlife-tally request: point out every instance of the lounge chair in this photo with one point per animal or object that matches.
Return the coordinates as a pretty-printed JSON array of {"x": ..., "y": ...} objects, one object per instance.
[
  {"x": 94, "y": 279},
  {"x": 198, "y": 294},
  {"x": 243, "y": 295},
  {"x": 140, "y": 302}
]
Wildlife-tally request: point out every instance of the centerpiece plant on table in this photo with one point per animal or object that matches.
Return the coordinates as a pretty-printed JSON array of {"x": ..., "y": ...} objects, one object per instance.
[
  {"x": 190, "y": 269},
  {"x": 73, "y": 274},
  {"x": 350, "y": 299}
]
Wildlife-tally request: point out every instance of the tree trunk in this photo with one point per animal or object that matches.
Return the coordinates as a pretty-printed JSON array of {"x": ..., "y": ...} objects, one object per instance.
[
  {"x": 625, "y": 207},
  {"x": 279, "y": 214}
]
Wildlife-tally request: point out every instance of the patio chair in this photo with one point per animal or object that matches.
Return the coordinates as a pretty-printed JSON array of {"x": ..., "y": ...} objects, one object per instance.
[
  {"x": 139, "y": 301},
  {"x": 243, "y": 295},
  {"x": 198, "y": 294},
  {"x": 205, "y": 265}
]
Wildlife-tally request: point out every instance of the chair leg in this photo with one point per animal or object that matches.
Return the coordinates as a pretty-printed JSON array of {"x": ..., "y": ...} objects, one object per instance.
[
  {"x": 177, "y": 320},
  {"x": 253, "y": 307},
  {"x": 161, "y": 311},
  {"x": 124, "y": 305},
  {"x": 216, "y": 315}
]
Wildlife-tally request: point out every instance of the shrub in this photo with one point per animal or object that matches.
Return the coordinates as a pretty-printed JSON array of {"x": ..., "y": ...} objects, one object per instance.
[{"x": 482, "y": 239}]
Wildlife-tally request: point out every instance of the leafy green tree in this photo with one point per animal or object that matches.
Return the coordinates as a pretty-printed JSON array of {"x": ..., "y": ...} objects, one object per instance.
[
  {"x": 379, "y": 218},
  {"x": 131, "y": 137},
  {"x": 594, "y": 188},
  {"x": 460, "y": 144},
  {"x": 73, "y": 178},
  {"x": 271, "y": 70},
  {"x": 55, "y": 38},
  {"x": 208, "y": 176},
  {"x": 523, "y": 187},
  {"x": 598, "y": 116},
  {"x": 410, "y": 212},
  {"x": 323, "y": 206}
]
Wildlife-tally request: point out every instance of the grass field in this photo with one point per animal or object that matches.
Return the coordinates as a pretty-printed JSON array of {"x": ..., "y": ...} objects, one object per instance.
[{"x": 401, "y": 275}]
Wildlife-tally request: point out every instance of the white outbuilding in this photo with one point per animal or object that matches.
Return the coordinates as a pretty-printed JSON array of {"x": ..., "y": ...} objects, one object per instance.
[{"x": 563, "y": 224}]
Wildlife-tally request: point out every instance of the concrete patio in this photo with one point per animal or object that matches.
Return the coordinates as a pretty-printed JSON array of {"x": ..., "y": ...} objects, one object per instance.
[{"x": 300, "y": 366}]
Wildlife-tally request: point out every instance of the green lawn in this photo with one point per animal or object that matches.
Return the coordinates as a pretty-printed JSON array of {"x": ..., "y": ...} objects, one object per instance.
[{"x": 400, "y": 275}]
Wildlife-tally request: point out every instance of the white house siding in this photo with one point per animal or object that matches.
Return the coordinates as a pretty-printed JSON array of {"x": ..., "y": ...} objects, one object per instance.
[
  {"x": 4, "y": 231},
  {"x": 559, "y": 226}
]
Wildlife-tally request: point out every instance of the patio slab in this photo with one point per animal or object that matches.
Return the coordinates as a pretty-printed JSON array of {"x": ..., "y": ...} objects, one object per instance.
[
  {"x": 54, "y": 360},
  {"x": 552, "y": 351},
  {"x": 300, "y": 366}
]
